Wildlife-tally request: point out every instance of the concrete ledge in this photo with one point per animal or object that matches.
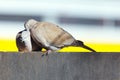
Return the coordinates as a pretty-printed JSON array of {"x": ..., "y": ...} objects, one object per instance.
[{"x": 60, "y": 66}]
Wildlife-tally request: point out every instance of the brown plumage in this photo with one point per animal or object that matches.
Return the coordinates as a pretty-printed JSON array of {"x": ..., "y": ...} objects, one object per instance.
[
  {"x": 25, "y": 43},
  {"x": 52, "y": 37}
]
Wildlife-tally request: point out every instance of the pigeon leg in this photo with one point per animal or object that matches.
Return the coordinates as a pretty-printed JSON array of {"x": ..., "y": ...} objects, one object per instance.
[{"x": 47, "y": 52}]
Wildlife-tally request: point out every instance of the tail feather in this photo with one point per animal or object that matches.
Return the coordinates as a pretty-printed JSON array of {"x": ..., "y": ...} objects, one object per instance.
[{"x": 81, "y": 44}]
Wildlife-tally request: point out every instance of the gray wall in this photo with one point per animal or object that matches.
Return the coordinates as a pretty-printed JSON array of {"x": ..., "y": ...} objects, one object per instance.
[{"x": 60, "y": 66}]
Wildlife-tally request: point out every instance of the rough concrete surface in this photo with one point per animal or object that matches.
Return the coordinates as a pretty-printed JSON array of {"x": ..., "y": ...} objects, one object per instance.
[{"x": 59, "y": 66}]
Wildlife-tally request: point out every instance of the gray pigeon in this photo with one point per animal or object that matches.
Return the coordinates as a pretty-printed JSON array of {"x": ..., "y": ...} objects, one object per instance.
[
  {"x": 51, "y": 36},
  {"x": 25, "y": 43}
]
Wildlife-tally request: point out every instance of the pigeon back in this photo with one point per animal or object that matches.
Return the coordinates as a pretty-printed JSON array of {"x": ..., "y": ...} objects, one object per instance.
[{"x": 49, "y": 34}]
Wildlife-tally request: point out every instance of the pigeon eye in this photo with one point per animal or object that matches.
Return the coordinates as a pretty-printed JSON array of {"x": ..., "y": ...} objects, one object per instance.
[{"x": 26, "y": 25}]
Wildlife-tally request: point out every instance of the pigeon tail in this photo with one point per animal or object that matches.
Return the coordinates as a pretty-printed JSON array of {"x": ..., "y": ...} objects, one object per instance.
[{"x": 81, "y": 44}]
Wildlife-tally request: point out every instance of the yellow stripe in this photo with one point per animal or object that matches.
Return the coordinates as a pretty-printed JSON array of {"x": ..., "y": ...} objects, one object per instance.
[
  {"x": 98, "y": 47},
  {"x": 7, "y": 45},
  {"x": 10, "y": 45}
]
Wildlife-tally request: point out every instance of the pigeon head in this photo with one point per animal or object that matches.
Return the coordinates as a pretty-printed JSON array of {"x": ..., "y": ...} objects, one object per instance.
[{"x": 30, "y": 23}]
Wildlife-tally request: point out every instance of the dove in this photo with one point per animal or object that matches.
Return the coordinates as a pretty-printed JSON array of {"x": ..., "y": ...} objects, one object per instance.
[
  {"x": 52, "y": 37},
  {"x": 25, "y": 43}
]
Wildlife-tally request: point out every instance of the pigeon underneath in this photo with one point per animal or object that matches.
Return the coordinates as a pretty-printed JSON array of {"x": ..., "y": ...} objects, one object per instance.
[{"x": 25, "y": 43}]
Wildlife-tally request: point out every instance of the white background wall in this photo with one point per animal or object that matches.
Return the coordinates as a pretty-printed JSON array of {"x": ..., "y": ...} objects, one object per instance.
[{"x": 52, "y": 9}]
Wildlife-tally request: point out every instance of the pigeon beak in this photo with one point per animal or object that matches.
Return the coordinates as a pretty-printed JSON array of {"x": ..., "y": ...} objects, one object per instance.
[{"x": 86, "y": 47}]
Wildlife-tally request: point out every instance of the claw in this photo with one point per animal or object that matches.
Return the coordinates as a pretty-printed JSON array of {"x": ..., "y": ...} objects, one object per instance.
[{"x": 46, "y": 53}]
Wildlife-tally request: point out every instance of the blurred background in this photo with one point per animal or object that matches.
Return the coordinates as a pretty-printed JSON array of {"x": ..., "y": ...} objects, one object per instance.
[{"x": 96, "y": 22}]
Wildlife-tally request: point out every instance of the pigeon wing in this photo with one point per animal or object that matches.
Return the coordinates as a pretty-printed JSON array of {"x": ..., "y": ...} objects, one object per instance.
[{"x": 49, "y": 34}]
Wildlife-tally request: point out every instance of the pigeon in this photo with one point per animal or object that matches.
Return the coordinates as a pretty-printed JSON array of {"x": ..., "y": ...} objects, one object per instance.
[
  {"x": 52, "y": 37},
  {"x": 25, "y": 43}
]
